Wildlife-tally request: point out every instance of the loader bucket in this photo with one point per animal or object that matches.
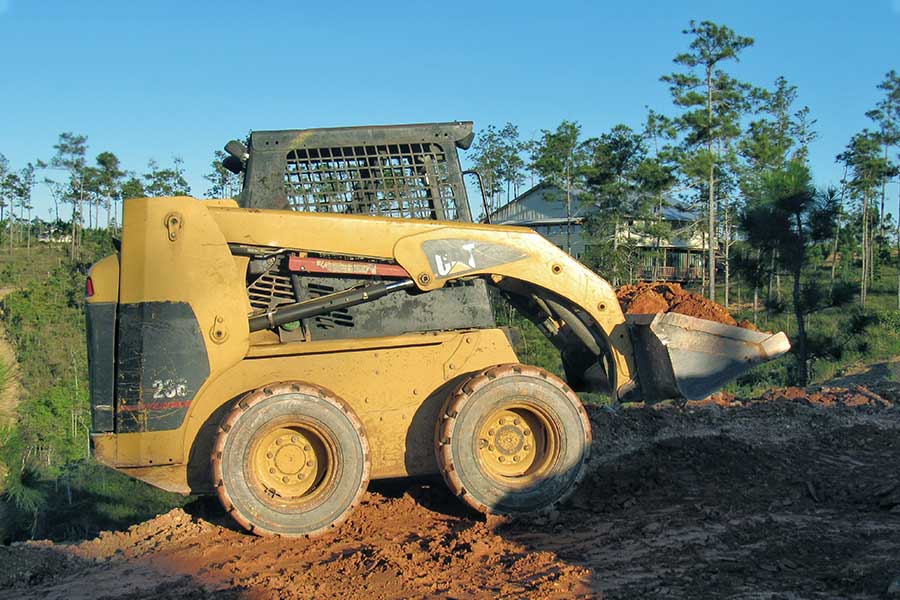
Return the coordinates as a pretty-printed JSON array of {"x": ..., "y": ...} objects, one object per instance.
[{"x": 681, "y": 357}]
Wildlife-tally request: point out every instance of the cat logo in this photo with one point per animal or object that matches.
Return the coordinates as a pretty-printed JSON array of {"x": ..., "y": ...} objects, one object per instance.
[{"x": 452, "y": 257}]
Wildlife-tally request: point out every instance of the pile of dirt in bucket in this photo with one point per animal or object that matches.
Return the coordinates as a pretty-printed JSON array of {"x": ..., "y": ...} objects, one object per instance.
[{"x": 660, "y": 297}]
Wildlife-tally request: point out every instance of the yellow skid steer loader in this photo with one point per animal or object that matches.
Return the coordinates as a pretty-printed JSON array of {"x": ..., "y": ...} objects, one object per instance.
[{"x": 334, "y": 325}]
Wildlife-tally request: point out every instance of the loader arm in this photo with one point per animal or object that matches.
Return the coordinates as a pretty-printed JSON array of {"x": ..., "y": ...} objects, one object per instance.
[{"x": 578, "y": 303}]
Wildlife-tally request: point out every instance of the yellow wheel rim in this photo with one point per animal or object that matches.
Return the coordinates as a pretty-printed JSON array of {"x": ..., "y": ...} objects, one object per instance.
[
  {"x": 291, "y": 461},
  {"x": 517, "y": 444}
]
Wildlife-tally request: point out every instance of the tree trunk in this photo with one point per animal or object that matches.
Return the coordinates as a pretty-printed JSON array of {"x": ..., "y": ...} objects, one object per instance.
[
  {"x": 837, "y": 232},
  {"x": 834, "y": 246},
  {"x": 775, "y": 258},
  {"x": 74, "y": 212},
  {"x": 703, "y": 271},
  {"x": 727, "y": 257},
  {"x": 711, "y": 203},
  {"x": 12, "y": 216},
  {"x": 568, "y": 212},
  {"x": 883, "y": 194},
  {"x": 802, "y": 375},
  {"x": 864, "y": 275}
]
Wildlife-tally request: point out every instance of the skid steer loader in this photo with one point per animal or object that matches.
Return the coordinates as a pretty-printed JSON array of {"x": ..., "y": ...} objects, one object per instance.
[{"x": 333, "y": 325}]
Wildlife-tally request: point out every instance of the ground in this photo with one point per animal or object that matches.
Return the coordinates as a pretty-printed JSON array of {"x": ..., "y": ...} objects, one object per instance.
[{"x": 794, "y": 495}]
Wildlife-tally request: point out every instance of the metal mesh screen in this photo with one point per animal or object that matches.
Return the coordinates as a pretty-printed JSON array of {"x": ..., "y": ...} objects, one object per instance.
[{"x": 390, "y": 180}]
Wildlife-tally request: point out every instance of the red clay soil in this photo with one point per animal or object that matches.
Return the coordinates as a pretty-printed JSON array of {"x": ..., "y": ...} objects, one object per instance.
[
  {"x": 793, "y": 495},
  {"x": 828, "y": 396},
  {"x": 390, "y": 548},
  {"x": 659, "y": 296},
  {"x": 857, "y": 395}
]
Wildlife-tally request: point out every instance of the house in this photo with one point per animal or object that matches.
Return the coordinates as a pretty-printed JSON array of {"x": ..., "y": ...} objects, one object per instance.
[{"x": 679, "y": 257}]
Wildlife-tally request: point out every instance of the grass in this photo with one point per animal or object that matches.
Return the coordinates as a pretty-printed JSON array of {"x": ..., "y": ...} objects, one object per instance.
[
  {"x": 23, "y": 265},
  {"x": 840, "y": 338}
]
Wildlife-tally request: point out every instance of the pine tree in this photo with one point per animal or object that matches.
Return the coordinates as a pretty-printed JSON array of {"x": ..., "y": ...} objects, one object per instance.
[
  {"x": 71, "y": 152},
  {"x": 222, "y": 182},
  {"x": 161, "y": 182},
  {"x": 557, "y": 157},
  {"x": 867, "y": 170},
  {"x": 708, "y": 118},
  {"x": 109, "y": 184}
]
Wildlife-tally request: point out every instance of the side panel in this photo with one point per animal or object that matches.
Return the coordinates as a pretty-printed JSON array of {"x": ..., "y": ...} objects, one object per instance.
[
  {"x": 162, "y": 365},
  {"x": 182, "y": 312}
]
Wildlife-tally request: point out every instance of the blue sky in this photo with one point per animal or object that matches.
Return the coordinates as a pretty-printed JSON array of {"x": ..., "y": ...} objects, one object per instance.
[{"x": 162, "y": 78}]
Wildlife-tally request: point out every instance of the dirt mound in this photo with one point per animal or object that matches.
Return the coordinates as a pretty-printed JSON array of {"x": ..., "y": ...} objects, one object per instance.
[
  {"x": 389, "y": 548},
  {"x": 794, "y": 494},
  {"x": 656, "y": 297}
]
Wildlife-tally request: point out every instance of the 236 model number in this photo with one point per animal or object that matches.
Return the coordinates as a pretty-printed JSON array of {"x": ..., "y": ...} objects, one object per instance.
[{"x": 169, "y": 388}]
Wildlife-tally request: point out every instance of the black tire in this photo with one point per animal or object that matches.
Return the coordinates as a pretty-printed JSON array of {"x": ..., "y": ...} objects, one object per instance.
[
  {"x": 300, "y": 434},
  {"x": 488, "y": 422}
]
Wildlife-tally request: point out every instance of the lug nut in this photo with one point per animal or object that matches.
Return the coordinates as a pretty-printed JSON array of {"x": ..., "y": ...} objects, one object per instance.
[
  {"x": 501, "y": 459},
  {"x": 294, "y": 439},
  {"x": 527, "y": 432},
  {"x": 490, "y": 432},
  {"x": 306, "y": 448},
  {"x": 272, "y": 470},
  {"x": 269, "y": 455},
  {"x": 526, "y": 447},
  {"x": 515, "y": 421},
  {"x": 482, "y": 444},
  {"x": 516, "y": 458},
  {"x": 285, "y": 479},
  {"x": 309, "y": 463}
]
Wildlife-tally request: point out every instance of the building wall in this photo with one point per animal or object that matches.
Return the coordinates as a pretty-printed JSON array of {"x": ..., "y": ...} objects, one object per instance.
[
  {"x": 539, "y": 203},
  {"x": 556, "y": 233},
  {"x": 543, "y": 209}
]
